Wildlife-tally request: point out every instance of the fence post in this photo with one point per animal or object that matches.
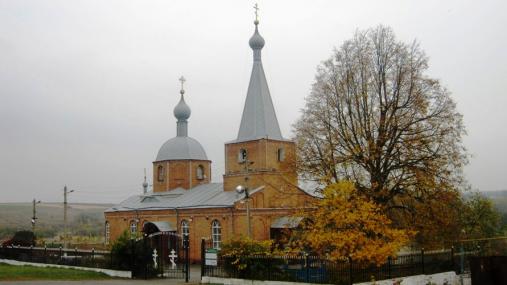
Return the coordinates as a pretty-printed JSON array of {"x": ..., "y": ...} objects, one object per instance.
[
  {"x": 422, "y": 259},
  {"x": 132, "y": 253},
  {"x": 145, "y": 237},
  {"x": 351, "y": 280},
  {"x": 61, "y": 253},
  {"x": 161, "y": 255},
  {"x": 389, "y": 267},
  {"x": 75, "y": 256},
  {"x": 452, "y": 258},
  {"x": 31, "y": 253},
  {"x": 203, "y": 255},
  {"x": 186, "y": 245},
  {"x": 307, "y": 267},
  {"x": 45, "y": 254},
  {"x": 111, "y": 259},
  {"x": 93, "y": 257},
  {"x": 462, "y": 259}
]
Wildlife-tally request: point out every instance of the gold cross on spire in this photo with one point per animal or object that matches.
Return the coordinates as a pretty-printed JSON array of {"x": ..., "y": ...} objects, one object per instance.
[{"x": 256, "y": 7}]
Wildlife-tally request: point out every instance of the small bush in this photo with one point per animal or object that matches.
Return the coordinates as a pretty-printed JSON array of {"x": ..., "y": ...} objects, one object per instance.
[
  {"x": 129, "y": 254},
  {"x": 250, "y": 259},
  {"x": 22, "y": 238}
]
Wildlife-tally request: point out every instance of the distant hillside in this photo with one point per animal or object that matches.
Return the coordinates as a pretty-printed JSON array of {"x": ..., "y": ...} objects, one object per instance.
[
  {"x": 499, "y": 199},
  {"x": 83, "y": 219}
]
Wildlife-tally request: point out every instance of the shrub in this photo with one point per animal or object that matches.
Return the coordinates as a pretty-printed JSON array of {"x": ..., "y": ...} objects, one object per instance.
[
  {"x": 129, "y": 254},
  {"x": 250, "y": 259}
]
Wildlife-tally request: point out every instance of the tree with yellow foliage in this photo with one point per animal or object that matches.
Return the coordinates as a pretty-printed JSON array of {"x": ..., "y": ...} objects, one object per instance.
[
  {"x": 375, "y": 117},
  {"x": 347, "y": 224}
]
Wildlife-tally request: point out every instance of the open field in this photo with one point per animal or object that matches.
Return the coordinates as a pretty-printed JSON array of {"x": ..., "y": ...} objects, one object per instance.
[
  {"x": 83, "y": 219},
  {"x": 20, "y": 273}
]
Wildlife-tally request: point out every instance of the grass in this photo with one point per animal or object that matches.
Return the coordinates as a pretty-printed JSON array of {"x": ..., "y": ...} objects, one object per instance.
[{"x": 18, "y": 273}]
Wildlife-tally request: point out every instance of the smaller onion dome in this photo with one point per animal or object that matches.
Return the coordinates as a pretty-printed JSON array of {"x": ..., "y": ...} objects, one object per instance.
[
  {"x": 182, "y": 111},
  {"x": 256, "y": 41}
]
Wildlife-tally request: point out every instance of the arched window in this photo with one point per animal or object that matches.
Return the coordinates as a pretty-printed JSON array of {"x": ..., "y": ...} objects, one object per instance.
[
  {"x": 107, "y": 232},
  {"x": 160, "y": 173},
  {"x": 200, "y": 172},
  {"x": 133, "y": 229},
  {"x": 216, "y": 234},
  {"x": 185, "y": 228},
  {"x": 242, "y": 155},
  {"x": 281, "y": 154}
]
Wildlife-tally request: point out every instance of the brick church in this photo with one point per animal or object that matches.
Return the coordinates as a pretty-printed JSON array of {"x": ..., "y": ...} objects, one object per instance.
[{"x": 259, "y": 183}]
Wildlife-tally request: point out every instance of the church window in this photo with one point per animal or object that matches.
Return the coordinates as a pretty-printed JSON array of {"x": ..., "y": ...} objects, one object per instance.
[
  {"x": 200, "y": 172},
  {"x": 281, "y": 154},
  {"x": 185, "y": 228},
  {"x": 216, "y": 234},
  {"x": 242, "y": 155},
  {"x": 160, "y": 174},
  {"x": 107, "y": 231},
  {"x": 133, "y": 229}
]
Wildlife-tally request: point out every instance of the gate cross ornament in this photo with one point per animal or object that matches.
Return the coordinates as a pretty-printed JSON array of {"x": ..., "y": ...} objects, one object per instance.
[
  {"x": 172, "y": 257},
  {"x": 155, "y": 255}
]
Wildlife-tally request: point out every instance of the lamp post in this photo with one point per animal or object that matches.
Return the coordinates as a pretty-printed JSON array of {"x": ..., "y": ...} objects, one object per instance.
[
  {"x": 243, "y": 189},
  {"x": 34, "y": 215},
  {"x": 65, "y": 193}
]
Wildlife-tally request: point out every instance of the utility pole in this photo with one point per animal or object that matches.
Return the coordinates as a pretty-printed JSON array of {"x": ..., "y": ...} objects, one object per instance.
[
  {"x": 65, "y": 236},
  {"x": 244, "y": 189},
  {"x": 34, "y": 214}
]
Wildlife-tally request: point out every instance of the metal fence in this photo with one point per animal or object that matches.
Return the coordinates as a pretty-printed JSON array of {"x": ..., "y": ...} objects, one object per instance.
[
  {"x": 314, "y": 269},
  {"x": 74, "y": 257}
]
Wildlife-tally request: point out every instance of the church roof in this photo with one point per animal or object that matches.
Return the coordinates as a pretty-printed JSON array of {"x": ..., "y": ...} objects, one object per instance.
[
  {"x": 259, "y": 117},
  {"x": 181, "y": 148},
  {"x": 203, "y": 196}
]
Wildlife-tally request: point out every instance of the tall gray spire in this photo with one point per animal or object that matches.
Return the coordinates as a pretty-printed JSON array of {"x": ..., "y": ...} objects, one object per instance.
[{"x": 259, "y": 117}]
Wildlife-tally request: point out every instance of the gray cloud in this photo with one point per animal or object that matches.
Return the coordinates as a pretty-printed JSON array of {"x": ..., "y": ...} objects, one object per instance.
[{"x": 87, "y": 88}]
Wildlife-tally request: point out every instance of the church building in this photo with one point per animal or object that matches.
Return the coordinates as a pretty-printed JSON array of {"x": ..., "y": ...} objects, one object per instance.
[{"x": 259, "y": 183}]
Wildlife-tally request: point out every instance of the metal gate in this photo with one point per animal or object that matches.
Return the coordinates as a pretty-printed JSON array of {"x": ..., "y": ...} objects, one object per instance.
[{"x": 170, "y": 256}]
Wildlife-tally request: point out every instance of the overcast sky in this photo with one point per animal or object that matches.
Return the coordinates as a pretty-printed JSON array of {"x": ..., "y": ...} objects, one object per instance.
[{"x": 87, "y": 88}]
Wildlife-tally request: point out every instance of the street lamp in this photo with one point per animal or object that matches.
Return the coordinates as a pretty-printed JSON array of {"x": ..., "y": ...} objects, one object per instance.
[
  {"x": 243, "y": 189},
  {"x": 34, "y": 215},
  {"x": 65, "y": 193}
]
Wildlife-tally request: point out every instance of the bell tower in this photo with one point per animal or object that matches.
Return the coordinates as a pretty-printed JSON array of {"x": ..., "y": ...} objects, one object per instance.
[{"x": 259, "y": 152}]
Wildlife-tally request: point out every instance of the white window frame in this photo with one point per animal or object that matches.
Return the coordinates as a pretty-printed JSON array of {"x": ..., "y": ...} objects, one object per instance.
[
  {"x": 160, "y": 173},
  {"x": 133, "y": 228},
  {"x": 185, "y": 229},
  {"x": 107, "y": 232},
  {"x": 200, "y": 172},
  {"x": 216, "y": 234}
]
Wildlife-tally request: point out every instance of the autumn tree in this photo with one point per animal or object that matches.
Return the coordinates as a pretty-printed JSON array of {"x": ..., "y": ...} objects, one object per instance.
[
  {"x": 479, "y": 218},
  {"x": 346, "y": 224},
  {"x": 375, "y": 117}
]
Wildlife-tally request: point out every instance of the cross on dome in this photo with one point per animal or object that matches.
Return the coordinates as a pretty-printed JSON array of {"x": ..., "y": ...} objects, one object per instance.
[
  {"x": 256, "y": 8},
  {"x": 182, "y": 80}
]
